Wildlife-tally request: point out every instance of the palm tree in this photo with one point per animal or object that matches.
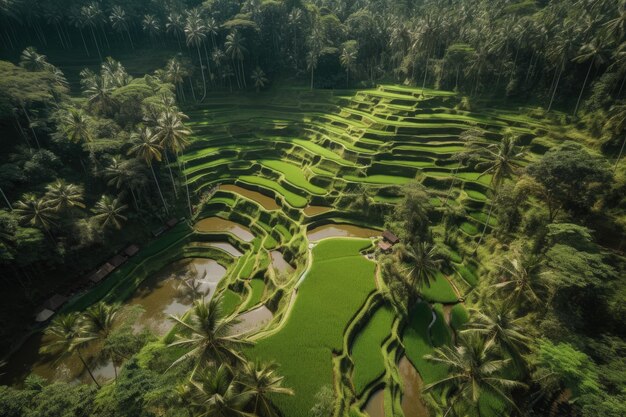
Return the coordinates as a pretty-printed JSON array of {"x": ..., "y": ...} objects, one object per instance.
[
  {"x": 146, "y": 147},
  {"x": 312, "y": 59},
  {"x": 151, "y": 25},
  {"x": 175, "y": 25},
  {"x": 90, "y": 15},
  {"x": 78, "y": 21},
  {"x": 119, "y": 22},
  {"x": 616, "y": 27},
  {"x": 61, "y": 195},
  {"x": 594, "y": 53},
  {"x": 175, "y": 73},
  {"x": 76, "y": 125},
  {"x": 518, "y": 275},
  {"x": 501, "y": 161},
  {"x": 258, "y": 76},
  {"x": 114, "y": 73},
  {"x": 126, "y": 174},
  {"x": 348, "y": 60},
  {"x": 108, "y": 211},
  {"x": 560, "y": 52},
  {"x": 421, "y": 264},
  {"x": 497, "y": 323},
  {"x": 67, "y": 339},
  {"x": 262, "y": 381},
  {"x": 215, "y": 392},
  {"x": 31, "y": 60},
  {"x": 467, "y": 137},
  {"x": 6, "y": 200},
  {"x": 616, "y": 123},
  {"x": 473, "y": 369},
  {"x": 195, "y": 33},
  {"x": 97, "y": 324},
  {"x": 208, "y": 335},
  {"x": 97, "y": 89},
  {"x": 236, "y": 50},
  {"x": 173, "y": 135},
  {"x": 36, "y": 212}
]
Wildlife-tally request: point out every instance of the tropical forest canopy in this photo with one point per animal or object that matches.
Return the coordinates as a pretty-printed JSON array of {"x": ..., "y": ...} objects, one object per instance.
[{"x": 193, "y": 197}]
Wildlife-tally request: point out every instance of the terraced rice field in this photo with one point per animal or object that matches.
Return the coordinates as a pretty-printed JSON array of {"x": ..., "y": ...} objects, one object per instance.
[{"x": 277, "y": 168}]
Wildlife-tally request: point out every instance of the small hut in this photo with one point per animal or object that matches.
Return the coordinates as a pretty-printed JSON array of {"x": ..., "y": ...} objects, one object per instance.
[{"x": 390, "y": 237}]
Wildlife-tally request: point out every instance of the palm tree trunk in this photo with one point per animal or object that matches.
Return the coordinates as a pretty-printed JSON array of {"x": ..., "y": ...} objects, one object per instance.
[
  {"x": 186, "y": 186},
  {"x": 311, "y": 79},
  {"x": 84, "y": 43},
  {"x": 582, "y": 90},
  {"x": 159, "y": 188},
  {"x": 132, "y": 193},
  {"x": 167, "y": 161},
  {"x": 80, "y": 356},
  {"x": 206, "y": 53},
  {"x": 202, "y": 72},
  {"x": 114, "y": 367},
  {"x": 6, "y": 199},
  {"x": 243, "y": 74},
  {"x": 482, "y": 235},
  {"x": 93, "y": 34},
  {"x": 130, "y": 39},
  {"x": 616, "y": 162},
  {"x": 555, "y": 88}
]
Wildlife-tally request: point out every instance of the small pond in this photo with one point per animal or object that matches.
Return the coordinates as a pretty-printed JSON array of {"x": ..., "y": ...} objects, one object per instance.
[{"x": 217, "y": 224}]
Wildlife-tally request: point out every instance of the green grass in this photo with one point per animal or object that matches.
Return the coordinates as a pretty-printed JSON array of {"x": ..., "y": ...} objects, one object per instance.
[
  {"x": 230, "y": 301},
  {"x": 379, "y": 179},
  {"x": 440, "y": 332},
  {"x": 366, "y": 349},
  {"x": 303, "y": 347},
  {"x": 458, "y": 316},
  {"x": 294, "y": 175},
  {"x": 257, "y": 287},
  {"x": 440, "y": 291},
  {"x": 416, "y": 344}
]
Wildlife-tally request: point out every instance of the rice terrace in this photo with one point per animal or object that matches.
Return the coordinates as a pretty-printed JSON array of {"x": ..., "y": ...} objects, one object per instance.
[{"x": 206, "y": 212}]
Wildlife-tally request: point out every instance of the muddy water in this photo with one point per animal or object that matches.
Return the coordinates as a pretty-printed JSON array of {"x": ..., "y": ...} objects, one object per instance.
[
  {"x": 375, "y": 406},
  {"x": 253, "y": 320},
  {"x": 216, "y": 224},
  {"x": 279, "y": 263},
  {"x": 268, "y": 203},
  {"x": 315, "y": 210},
  {"x": 159, "y": 296},
  {"x": 412, "y": 404},
  {"x": 340, "y": 230},
  {"x": 225, "y": 246}
]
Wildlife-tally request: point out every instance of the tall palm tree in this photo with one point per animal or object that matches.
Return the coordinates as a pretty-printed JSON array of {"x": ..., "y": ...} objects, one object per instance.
[
  {"x": 145, "y": 146},
  {"x": 68, "y": 339},
  {"x": 119, "y": 22},
  {"x": 90, "y": 15},
  {"x": 6, "y": 200},
  {"x": 594, "y": 53},
  {"x": 126, "y": 174},
  {"x": 258, "y": 76},
  {"x": 151, "y": 26},
  {"x": 500, "y": 160},
  {"x": 312, "y": 59},
  {"x": 114, "y": 73},
  {"x": 97, "y": 89},
  {"x": 473, "y": 369},
  {"x": 348, "y": 61},
  {"x": 421, "y": 263},
  {"x": 195, "y": 33},
  {"x": 108, "y": 211},
  {"x": 175, "y": 25},
  {"x": 214, "y": 392},
  {"x": 498, "y": 324},
  {"x": 76, "y": 125},
  {"x": 262, "y": 381},
  {"x": 173, "y": 135},
  {"x": 97, "y": 325},
  {"x": 207, "y": 333},
  {"x": 36, "y": 212},
  {"x": 31, "y": 60},
  {"x": 518, "y": 275},
  {"x": 236, "y": 50},
  {"x": 61, "y": 195}
]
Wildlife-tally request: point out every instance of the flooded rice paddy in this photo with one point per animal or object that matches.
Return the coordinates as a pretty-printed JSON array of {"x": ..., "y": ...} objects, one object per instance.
[
  {"x": 412, "y": 404},
  {"x": 217, "y": 224},
  {"x": 375, "y": 406},
  {"x": 340, "y": 230},
  {"x": 268, "y": 203}
]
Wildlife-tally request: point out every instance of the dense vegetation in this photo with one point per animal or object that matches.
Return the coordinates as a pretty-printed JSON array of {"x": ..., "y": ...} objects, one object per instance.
[{"x": 488, "y": 135}]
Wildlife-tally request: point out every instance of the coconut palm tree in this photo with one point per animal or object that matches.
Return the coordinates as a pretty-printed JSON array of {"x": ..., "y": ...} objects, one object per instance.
[
  {"x": 108, "y": 211},
  {"x": 208, "y": 335},
  {"x": 175, "y": 25},
  {"x": 31, "y": 60},
  {"x": 262, "y": 381},
  {"x": 61, "y": 195},
  {"x": 420, "y": 264},
  {"x": 195, "y": 34},
  {"x": 114, "y": 73},
  {"x": 348, "y": 61},
  {"x": 173, "y": 135},
  {"x": 211, "y": 30},
  {"x": 97, "y": 89},
  {"x": 236, "y": 50},
  {"x": 67, "y": 339},
  {"x": 312, "y": 59},
  {"x": 145, "y": 146},
  {"x": 97, "y": 325},
  {"x": 215, "y": 392},
  {"x": 518, "y": 275},
  {"x": 176, "y": 73},
  {"x": 498, "y": 324},
  {"x": 127, "y": 174},
  {"x": 258, "y": 76},
  {"x": 76, "y": 125},
  {"x": 119, "y": 22},
  {"x": 593, "y": 52},
  {"x": 500, "y": 160},
  {"x": 36, "y": 212},
  {"x": 78, "y": 21},
  {"x": 151, "y": 26},
  {"x": 91, "y": 17},
  {"x": 473, "y": 369}
]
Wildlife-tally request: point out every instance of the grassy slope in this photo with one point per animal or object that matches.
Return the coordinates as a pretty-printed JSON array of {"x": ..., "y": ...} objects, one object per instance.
[{"x": 343, "y": 279}]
